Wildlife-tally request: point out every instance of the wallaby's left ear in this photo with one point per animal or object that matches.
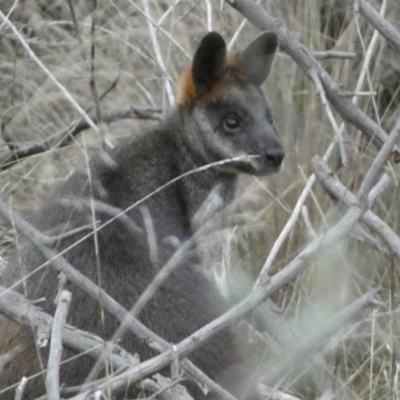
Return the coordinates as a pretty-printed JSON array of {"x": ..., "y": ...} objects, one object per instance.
[
  {"x": 258, "y": 56},
  {"x": 209, "y": 62}
]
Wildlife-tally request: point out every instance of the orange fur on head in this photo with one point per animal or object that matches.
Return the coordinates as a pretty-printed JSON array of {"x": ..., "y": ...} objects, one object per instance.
[
  {"x": 236, "y": 64},
  {"x": 186, "y": 89},
  {"x": 187, "y": 92}
]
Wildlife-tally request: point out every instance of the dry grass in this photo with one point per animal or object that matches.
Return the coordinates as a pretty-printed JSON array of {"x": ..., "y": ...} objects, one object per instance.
[{"x": 362, "y": 359}]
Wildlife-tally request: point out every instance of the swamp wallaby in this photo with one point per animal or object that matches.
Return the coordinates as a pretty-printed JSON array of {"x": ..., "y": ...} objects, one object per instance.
[{"x": 221, "y": 114}]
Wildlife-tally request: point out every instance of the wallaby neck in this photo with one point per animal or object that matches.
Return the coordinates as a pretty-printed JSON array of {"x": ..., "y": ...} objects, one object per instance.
[{"x": 201, "y": 178}]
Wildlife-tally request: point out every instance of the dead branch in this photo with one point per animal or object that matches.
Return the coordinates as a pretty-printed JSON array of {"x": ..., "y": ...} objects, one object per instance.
[
  {"x": 17, "y": 308},
  {"x": 338, "y": 191},
  {"x": 64, "y": 138},
  {"x": 162, "y": 388},
  {"x": 53, "y": 365},
  {"x": 372, "y": 175},
  {"x": 386, "y": 29},
  {"x": 19, "y": 391}
]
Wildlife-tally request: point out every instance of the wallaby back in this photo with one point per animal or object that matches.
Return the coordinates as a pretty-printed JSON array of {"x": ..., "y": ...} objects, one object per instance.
[{"x": 221, "y": 117}]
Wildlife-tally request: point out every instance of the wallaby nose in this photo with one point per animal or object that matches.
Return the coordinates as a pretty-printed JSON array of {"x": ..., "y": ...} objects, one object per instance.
[{"x": 275, "y": 156}]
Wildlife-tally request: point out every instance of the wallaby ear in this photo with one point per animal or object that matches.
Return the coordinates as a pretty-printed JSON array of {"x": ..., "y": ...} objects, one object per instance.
[
  {"x": 258, "y": 56},
  {"x": 209, "y": 62}
]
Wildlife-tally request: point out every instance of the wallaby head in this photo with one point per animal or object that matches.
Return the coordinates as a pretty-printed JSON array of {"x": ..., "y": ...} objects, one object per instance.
[{"x": 226, "y": 107}]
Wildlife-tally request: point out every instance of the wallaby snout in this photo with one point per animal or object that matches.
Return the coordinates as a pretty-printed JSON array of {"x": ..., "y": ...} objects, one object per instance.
[
  {"x": 275, "y": 156},
  {"x": 274, "y": 152}
]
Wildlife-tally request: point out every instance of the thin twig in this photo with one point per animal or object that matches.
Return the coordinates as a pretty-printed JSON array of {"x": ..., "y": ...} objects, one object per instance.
[
  {"x": 76, "y": 27},
  {"x": 310, "y": 229},
  {"x": 19, "y": 309},
  {"x": 162, "y": 30},
  {"x": 338, "y": 132},
  {"x": 62, "y": 282},
  {"x": 157, "y": 52},
  {"x": 329, "y": 54},
  {"x": 52, "y": 240},
  {"x": 64, "y": 138},
  {"x": 382, "y": 185},
  {"x": 372, "y": 45},
  {"x": 209, "y": 15},
  {"x": 313, "y": 341},
  {"x": 372, "y": 174},
  {"x": 19, "y": 391},
  {"x": 264, "y": 274},
  {"x": 273, "y": 394},
  {"x": 62, "y": 88},
  {"x": 92, "y": 80},
  {"x": 10, "y": 11},
  {"x": 163, "y": 387}
]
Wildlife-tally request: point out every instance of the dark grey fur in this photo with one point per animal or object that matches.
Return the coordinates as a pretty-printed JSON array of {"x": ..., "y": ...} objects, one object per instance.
[{"x": 191, "y": 137}]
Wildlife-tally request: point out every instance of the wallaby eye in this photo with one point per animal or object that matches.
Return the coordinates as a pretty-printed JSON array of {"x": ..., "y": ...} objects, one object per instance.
[{"x": 231, "y": 122}]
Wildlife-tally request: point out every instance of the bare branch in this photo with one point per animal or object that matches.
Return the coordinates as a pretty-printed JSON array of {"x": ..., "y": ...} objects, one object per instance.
[
  {"x": 92, "y": 79},
  {"x": 273, "y": 394},
  {"x": 53, "y": 365},
  {"x": 386, "y": 29},
  {"x": 336, "y": 189},
  {"x": 64, "y": 138},
  {"x": 156, "y": 47},
  {"x": 76, "y": 27},
  {"x": 338, "y": 132},
  {"x": 163, "y": 31},
  {"x": 371, "y": 176},
  {"x": 19, "y": 309},
  {"x": 264, "y": 274},
  {"x": 162, "y": 388}
]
